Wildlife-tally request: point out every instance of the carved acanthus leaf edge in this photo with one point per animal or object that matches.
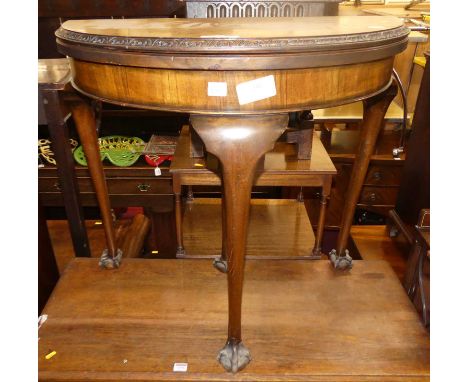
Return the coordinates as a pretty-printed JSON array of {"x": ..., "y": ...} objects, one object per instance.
[{"x": 230, "y": 44}]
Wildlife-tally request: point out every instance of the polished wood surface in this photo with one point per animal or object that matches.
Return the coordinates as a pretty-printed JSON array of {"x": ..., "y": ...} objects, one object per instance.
[
  {"x": 186, "y": 90},
  {"x": 289, "y": 232},
  {"x": 292, "y": 312},
  {"x": 235, "y": 28}
]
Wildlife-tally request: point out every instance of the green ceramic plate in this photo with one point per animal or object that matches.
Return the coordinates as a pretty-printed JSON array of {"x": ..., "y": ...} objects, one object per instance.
[{"x": 120, "y": 151}]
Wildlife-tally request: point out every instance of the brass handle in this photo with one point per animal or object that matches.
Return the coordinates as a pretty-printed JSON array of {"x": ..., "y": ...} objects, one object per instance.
[
  {"x": 143, "y": 187},
  {"x": 57, "y": 186},
  {"x": 372, "y": 197}
]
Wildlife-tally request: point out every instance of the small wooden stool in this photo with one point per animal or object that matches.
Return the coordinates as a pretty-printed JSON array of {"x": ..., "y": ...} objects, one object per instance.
[{"x": 280, "y": 167}]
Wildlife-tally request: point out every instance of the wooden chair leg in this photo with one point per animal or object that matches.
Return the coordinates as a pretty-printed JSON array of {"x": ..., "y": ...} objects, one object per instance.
[{"x": 85, "y": 123}]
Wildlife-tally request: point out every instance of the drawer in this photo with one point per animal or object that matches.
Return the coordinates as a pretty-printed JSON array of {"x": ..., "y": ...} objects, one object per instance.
[
  {"x": 139, "y": 185},
  {"x": 378, "y": 195},
  {"x": 383, "y": 175},
  {"x": 116, "y": 186}
]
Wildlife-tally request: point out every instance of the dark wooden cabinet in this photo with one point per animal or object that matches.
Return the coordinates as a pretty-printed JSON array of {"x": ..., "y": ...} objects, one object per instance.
[{"x": 380, "y": 188}]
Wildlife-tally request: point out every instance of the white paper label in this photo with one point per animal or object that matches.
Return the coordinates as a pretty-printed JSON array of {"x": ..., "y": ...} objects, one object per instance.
[
  {"x": 256, "y": 90},
  {"x": 180, "y": 367},
  {"x": 217, "y": 89},
  {"x": 157, "y": 171}
]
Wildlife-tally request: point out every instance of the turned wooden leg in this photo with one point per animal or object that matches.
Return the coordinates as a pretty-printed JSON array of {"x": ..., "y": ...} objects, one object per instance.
[
  {"x": 178, "y": 216},
  {"x": 374, "y": 114},
  {"x": 317, "y": 251},
  {"x": 238, "y": 142},
  {"x": 220, "y": 263},
  {"x": 86, "y": 126}
]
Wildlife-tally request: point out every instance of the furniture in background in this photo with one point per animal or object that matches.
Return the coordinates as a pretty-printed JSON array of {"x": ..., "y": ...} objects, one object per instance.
[
  {"x": 53, "y": 78},
  {"x": 69, "y": 184},
  {"x": 240, "y": 125},
  {"x": 279, "y": 167},
  {"x": 414, "y": 192},
  {"x": 417, "y": 272},
  {"x": 261, "y": 8},
  {"x": 52, "y": 13}
]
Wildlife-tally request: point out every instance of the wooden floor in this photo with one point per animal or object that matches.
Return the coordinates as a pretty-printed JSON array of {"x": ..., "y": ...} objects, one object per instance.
[{"x": 302, "y": 321}]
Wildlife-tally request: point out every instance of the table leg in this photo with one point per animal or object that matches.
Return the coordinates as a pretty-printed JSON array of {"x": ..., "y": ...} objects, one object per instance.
[
  {"x": 238, "y": 142},
  {"x": 66, "y": 171},
  {"x": 374, "y": 113},
  {"x": 178, "y": 215},
  {"x": 220, "y": 263},
  {"x": 86, "y": 126},
  {"x": 326, "y": 189}
]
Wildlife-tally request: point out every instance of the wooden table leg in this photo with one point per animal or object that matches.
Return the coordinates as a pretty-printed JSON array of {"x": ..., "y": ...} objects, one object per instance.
[
  {"x": 374, "y": 113},
  {"x": 326, "y": 189},
  {"x": 53, "y": 107},
  {"x": 238, "y": 142},
  {"x": 220, "y": 263},
  {"x": 178, "y": 215},
  {"x": 86, "y": 126}
]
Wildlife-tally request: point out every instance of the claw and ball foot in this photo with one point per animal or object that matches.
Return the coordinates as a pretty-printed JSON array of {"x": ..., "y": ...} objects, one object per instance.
[
  {"x": 234, "y": 356},
  {"x": 220, "y": 265},
  {"x": 341, "y": 262},
  {"x": 108, "y": 262}
]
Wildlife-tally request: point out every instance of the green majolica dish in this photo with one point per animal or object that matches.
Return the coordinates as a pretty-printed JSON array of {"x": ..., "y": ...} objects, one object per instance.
[{"x": 120, "y": 151}]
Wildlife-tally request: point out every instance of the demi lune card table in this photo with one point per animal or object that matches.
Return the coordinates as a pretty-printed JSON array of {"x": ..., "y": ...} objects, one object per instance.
[{"x": 238, "y": 79}]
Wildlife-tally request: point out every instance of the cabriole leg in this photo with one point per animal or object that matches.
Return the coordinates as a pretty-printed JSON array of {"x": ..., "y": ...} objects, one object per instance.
[{"x": 238, "y": 142}]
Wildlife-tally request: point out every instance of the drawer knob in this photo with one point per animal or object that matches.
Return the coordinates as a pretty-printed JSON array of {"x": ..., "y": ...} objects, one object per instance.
[
  {"x": 57, "y": 186},
  {"x": 143, "y": 187},
  {"x": 372, "y": 197},
  {"x": 377, "y": 175}
]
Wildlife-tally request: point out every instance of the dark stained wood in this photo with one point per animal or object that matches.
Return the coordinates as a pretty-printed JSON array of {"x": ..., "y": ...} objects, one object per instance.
[
  {"x": 48, "y": 273},
  {"x": 108, "y": 8},
  {"x": 162, "y": 237},
  {"x": 96, "y": 322},
  {"x": 133, "y": 238},
  {"x": 414, "y": 193},
  {"x": 374, "y": 113},
  {"x": 53, "y": 77}
]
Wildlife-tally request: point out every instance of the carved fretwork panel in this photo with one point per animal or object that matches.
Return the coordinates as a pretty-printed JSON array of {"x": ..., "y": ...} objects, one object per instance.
[{"x": 220, "y": 9}]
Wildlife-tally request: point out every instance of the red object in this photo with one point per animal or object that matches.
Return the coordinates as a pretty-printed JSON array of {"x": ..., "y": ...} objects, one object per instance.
[{"x": 156, "y": 160}]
